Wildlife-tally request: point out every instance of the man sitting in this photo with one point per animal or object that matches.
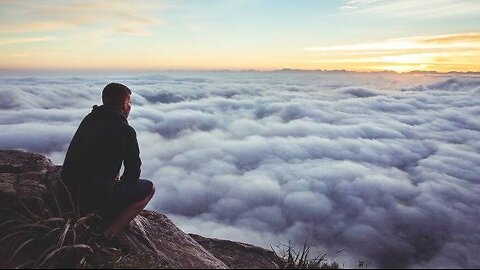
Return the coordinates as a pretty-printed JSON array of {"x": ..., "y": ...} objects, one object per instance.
[{"x": 103, "y": 141}]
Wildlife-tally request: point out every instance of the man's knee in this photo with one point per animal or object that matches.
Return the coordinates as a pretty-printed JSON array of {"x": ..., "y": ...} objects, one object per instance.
[
  {"x": 152, "y": 192},
  {"x": 153, "y": 189}
]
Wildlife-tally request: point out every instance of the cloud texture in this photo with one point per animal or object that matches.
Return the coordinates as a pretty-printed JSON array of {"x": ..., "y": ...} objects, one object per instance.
[{"x": 384, "y": 167}]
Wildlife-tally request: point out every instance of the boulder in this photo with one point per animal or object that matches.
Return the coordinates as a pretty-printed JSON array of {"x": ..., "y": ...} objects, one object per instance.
[
  {"x": 238, "y": 255},
  {"x": 153, "y": 240}
]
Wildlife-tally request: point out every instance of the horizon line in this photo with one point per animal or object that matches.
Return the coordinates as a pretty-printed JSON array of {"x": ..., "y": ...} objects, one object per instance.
[{"x": 55, "y": 70}]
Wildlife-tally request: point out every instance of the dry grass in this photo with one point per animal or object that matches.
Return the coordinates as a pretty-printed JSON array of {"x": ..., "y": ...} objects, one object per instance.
[
  {"x": 52, "y": 239},
  {"x": 302, "y": 259}
]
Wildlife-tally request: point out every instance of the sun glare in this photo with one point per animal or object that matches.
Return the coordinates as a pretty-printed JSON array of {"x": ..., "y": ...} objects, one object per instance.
[{"x": 459, "y": 52}]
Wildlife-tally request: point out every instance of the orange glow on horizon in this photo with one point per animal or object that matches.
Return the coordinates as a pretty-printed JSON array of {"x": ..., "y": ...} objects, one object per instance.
[
  {"x": 154, "y": 35},
  {"x": 459, "y": 52}
]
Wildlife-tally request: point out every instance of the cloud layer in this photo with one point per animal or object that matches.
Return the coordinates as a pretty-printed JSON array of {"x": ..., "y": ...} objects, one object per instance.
[{"x": 384, "y": 167}]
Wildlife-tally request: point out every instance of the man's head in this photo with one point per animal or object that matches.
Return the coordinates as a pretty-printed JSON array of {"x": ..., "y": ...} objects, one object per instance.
[{"x": 117, "y": 96}]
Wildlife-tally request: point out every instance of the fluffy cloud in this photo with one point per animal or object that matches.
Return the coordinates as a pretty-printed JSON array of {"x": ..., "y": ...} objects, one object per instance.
[{"x": 384, "y": 167}]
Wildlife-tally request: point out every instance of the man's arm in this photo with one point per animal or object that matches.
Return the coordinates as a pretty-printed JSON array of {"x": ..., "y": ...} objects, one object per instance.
[{"x": 131, "y": 160}]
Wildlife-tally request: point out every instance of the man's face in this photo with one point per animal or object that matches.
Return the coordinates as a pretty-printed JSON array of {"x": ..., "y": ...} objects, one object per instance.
[{"x": 127, "y": 106}]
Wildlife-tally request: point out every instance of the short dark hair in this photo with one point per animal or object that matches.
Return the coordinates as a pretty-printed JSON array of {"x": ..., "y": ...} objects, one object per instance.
[{"x": 114, "y": 94}]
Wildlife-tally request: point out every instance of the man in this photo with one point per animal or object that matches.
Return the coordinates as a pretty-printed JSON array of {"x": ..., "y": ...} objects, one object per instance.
[{"x": 104, "y": 140}]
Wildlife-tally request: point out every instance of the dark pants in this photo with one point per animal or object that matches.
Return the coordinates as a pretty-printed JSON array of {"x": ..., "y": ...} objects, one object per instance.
[{"x": 112, "y": 201}]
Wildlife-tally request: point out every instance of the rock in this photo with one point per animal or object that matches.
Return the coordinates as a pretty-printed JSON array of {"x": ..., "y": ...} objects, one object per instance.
[
  {"x": 22, "y": 174},
  {"x": 7, "y": 184},
  {"x": 238, "y": 255},
  {"x": 13, "y": 161},
  {"x": 154, "y": 234},
  {"x": 151, "y": 241}
]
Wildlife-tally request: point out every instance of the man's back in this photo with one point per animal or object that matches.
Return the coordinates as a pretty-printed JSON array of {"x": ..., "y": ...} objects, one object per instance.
[{"x": 102, "y": 142}]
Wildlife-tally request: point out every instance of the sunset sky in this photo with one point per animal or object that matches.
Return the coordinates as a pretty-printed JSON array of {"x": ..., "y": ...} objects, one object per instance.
[{"x": 398, "y": 35}]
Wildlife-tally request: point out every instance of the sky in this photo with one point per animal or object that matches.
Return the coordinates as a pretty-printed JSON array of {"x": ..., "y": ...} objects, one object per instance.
[
  {"x": 360, "y": 35},
  {"x": 382, "y": 166}
]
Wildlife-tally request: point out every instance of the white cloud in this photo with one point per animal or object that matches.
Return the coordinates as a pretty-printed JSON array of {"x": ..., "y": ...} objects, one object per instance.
[
  {"x": 384, "y": 166},
  {"x": 424, "y": 43},
  {"x": 356, "y": 4},
  {"x": 8, "y": 41},
  {"x": 120, "y": 16},
  {"x": 412, "y": 8},
  {"x": 438, "y": 52}
]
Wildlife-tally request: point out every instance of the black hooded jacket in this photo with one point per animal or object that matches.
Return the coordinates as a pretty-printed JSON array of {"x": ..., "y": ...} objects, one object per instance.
[{"x": 103, "y": 141}]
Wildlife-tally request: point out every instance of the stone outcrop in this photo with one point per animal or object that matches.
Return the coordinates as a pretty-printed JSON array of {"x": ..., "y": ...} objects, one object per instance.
[
  {"x": 156, "y": 241},
  {"x": 152, "y": 240},
  {"x": 238, "y": 255}
]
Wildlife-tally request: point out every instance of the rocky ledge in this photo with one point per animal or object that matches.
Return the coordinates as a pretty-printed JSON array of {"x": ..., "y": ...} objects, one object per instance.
[{"x": 152, "y": 240}]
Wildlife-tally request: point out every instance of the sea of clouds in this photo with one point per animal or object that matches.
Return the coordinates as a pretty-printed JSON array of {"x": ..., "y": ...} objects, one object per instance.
[{"x": 378, "y": 167}]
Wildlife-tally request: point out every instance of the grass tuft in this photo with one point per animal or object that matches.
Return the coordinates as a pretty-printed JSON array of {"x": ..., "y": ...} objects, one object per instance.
[
  {"x": 301, "y": 259},
  {"x": 53, "y": 239}
]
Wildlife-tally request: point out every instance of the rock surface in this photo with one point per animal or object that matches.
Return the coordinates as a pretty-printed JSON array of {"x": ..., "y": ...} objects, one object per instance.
[
  {"x": 238, "y": 255},
  {"x": 152, "y": 240}
]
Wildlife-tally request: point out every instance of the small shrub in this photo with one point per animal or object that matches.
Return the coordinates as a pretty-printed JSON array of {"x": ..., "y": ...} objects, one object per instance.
[
  {"x": 51, "y": 239},
  {"x": 302, "y": 259}
]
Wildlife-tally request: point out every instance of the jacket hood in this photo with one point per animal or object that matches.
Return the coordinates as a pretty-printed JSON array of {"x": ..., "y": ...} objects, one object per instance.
[{"x": 109, "y": 112}]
